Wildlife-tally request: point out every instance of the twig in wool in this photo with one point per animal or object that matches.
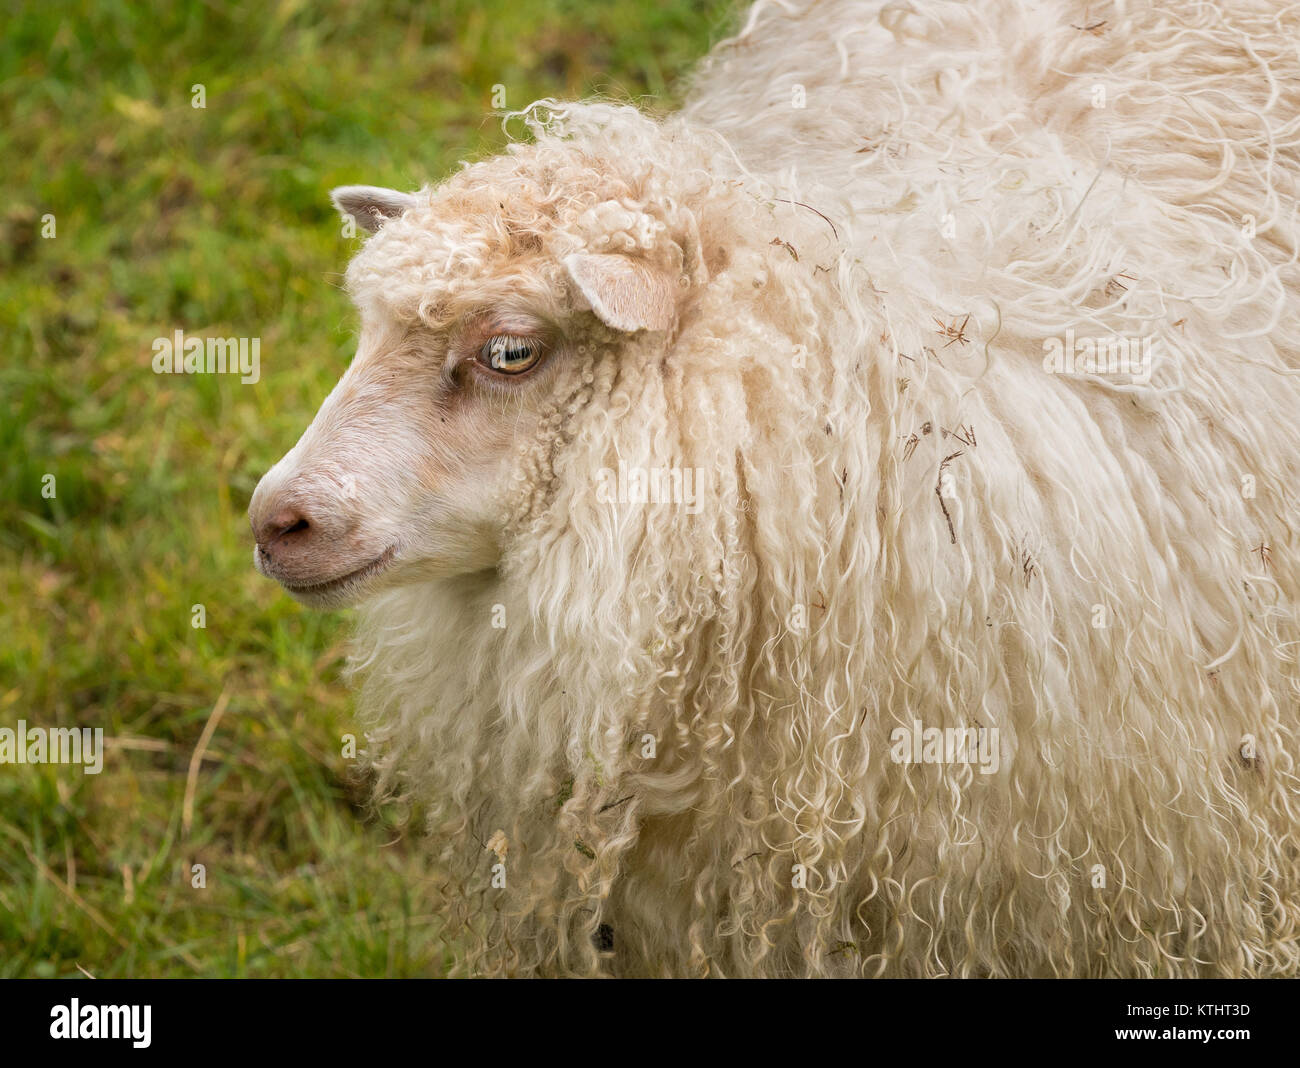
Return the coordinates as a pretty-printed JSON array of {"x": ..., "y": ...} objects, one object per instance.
[
  {"x": 938, "y": 492},
  {"x": 1265, "y": 554},
  {"x": 1118, "y": 284},
  {"x": 1095, "y": 29},
  {"x": 801, "y": 204},
  {"x": 787, "y": 246},
  {"x": 1028, "y": 565},
  {"x": 952, "y": 331},
  {"x": 964, "y": 434},
  {"x": 871, "y": 144},
  {"x": 615, "y": 804}
]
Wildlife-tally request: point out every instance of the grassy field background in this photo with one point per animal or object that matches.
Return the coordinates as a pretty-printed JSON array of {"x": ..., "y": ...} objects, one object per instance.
[{"x": 225, "y": 743}]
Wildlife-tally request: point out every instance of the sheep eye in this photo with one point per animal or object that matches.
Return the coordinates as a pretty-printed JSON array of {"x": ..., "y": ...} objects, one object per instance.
[{"x": 510, "y": 355}]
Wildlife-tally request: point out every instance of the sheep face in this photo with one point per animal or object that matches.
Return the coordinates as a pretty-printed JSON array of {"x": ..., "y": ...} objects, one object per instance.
[{"x": 472, "y": 300}]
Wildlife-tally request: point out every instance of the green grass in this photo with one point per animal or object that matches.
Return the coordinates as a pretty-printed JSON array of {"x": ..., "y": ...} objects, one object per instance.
[{"x": 216, "y": 221}]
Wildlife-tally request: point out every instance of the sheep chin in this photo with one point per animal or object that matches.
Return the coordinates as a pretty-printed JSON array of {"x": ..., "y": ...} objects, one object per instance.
[{"x": 345, "y": 590}]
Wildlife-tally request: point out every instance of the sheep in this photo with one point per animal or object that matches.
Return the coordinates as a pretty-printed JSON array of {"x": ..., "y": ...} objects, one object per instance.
[{"x": 971, "y": 649}]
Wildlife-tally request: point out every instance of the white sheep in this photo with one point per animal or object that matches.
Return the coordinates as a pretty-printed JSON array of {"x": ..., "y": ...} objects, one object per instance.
[{"x": 850, "y": 526}]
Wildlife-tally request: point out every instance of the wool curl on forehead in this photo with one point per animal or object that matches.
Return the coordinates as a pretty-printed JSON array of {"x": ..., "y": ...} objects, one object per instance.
[{"x": 577, "y": 186}]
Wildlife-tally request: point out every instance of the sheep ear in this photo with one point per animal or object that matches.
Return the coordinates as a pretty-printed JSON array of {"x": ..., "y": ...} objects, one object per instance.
[
  {"x": 369, "y": 205},
  {"x": 624, "y": 293}
]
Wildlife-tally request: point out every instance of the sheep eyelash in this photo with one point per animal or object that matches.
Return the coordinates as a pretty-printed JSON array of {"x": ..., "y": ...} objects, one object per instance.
[
  {"x": 507, "y": 385},
  {"x": 463, "y": 367},
  {"x": 508, "y": 344},
  {"x": 463, "y": 353}
]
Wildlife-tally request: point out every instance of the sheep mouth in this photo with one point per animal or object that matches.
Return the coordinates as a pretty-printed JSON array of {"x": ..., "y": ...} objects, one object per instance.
[{"x": 330, "y": 587}]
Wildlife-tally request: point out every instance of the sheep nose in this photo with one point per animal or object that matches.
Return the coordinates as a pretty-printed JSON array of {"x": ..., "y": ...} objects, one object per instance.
[{"x": 282, "y": 526}]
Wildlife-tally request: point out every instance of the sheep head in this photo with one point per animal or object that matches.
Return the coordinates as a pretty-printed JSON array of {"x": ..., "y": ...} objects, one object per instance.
[{"x": 474, "y": 299}]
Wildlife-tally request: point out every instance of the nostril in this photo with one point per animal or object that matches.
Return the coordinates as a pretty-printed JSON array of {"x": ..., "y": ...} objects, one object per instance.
[{"x": 287, "y": 522}]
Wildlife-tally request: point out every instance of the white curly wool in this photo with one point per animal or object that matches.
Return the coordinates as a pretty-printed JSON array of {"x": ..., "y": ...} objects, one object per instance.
[{"x": 983, "y": 339}]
